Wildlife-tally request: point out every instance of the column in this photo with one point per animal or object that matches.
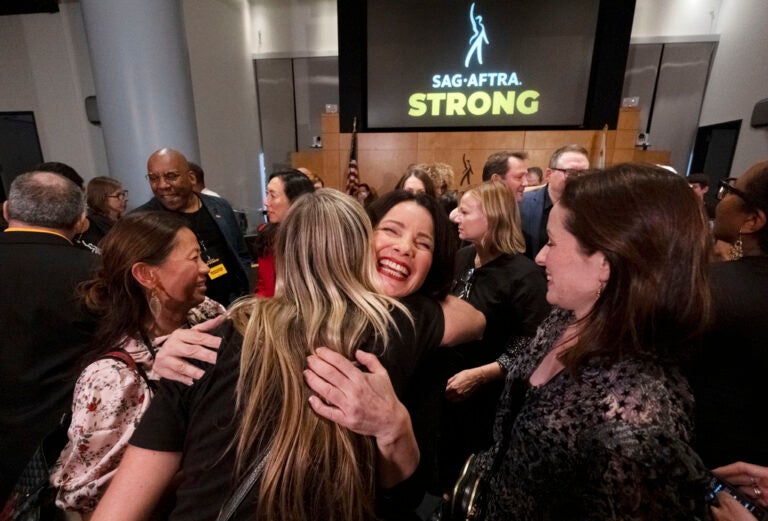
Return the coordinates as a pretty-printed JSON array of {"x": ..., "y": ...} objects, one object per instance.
[{"x": 141, "y": 69}]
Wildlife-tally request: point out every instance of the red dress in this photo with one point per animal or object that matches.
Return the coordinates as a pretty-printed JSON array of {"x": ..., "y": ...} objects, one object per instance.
[{"x": 265, "y": 282}]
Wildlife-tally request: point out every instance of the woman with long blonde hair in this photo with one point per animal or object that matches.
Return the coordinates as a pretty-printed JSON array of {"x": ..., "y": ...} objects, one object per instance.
[
  {"x": 326, "y": 295},
  {"x": 323, "y": 297}
]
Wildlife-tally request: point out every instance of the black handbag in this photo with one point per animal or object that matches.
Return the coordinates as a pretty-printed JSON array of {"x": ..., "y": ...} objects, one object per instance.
[
  {"x": 468, "y": 500},
  {"x": 33, "y": 497}
]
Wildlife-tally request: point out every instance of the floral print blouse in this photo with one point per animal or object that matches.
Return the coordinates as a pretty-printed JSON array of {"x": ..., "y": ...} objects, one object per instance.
[
  {"x": 108, "y": 402},
  {"x": 611, "y": 442}
]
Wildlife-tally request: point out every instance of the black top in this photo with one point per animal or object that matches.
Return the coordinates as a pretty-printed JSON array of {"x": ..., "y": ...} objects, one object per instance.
[
  {"x": 609, "y": 443},
  {"x": 224, "y": 283},
  {"x": 198, "y": 420},
  {"x": 43, "y": 334},
  {"x": 728, "y": 374},
  {"x": 98, "y": 226},
  {"x": 510, "y": 291}
]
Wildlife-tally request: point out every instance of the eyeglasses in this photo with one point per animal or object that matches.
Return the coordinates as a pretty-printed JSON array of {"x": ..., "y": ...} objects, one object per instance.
[
  {"x": 169, "y": 177},
  {"x": 120, "y": 195},
  {"x": 569, "y": 171},
  {"x": 726, "y": 187}
]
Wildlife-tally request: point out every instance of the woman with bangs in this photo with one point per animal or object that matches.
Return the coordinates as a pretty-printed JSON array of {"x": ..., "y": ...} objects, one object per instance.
[{"x": 310, "y": 468}]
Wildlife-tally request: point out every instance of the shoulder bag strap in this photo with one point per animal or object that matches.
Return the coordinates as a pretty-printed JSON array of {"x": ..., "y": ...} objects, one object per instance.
[
  {"x": 128, "y": 360},
  {"x": 234, "y": 501}
]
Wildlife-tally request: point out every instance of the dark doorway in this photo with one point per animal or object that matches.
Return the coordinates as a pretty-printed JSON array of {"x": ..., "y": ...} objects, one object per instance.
[
  {"x": 19, "y": 147},
  {"x": 713, "y": 153}
]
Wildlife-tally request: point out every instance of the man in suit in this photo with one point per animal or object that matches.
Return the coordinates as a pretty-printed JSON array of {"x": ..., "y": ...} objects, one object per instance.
[
  {"x": 44, "y": 331},
  {"x": 510, "y": 169},
  {"x": 222, "y": 245},
  {"x": 566, "y": 161}
]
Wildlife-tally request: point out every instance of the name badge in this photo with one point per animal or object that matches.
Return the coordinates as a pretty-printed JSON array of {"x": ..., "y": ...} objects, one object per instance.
[{"x": 217, "y": 271}]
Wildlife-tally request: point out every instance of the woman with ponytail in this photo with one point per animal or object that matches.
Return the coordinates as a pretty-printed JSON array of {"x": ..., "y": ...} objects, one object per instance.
[{"x": 151, "y": 283}]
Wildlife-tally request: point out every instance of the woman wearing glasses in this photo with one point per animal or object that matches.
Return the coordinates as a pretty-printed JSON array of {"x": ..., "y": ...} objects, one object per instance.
[
  {"x": 495, "y": 276},
  {"x": 728, "y": 374},
  {"x": 106, "y": 200}
]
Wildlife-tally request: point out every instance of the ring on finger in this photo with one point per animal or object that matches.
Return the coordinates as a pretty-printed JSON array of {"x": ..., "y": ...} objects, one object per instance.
[{"x": 757, "y": 491}]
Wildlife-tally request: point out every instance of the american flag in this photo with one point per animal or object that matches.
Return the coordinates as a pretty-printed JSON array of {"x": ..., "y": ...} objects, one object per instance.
[
  {"x": 603, "y": 148},
  {"x": 353, "y": 176}
]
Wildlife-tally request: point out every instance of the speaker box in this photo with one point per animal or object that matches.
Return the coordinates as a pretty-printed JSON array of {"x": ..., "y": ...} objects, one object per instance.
[
  {"x": 760, "y": 114},
  {"x": 92, "y": 110}
]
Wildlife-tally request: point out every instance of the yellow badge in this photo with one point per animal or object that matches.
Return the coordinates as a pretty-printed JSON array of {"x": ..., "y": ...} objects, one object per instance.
[{"x": 217, "y": 271}]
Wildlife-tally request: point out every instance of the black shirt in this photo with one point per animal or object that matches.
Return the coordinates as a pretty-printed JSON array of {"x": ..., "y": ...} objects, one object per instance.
[
  {"x": 223, "y": 283},
  {"x": 728, "y": 373},
  {"x": 510, "y": 291},
  {"x": 200, "y": 420}
]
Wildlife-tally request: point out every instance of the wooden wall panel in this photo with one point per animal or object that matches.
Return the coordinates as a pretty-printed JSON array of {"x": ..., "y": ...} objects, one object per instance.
[{"x": 383, "y": 157}]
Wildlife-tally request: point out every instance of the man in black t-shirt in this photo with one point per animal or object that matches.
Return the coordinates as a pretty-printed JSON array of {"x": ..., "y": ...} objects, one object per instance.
[{"x": 211, "y": 218}]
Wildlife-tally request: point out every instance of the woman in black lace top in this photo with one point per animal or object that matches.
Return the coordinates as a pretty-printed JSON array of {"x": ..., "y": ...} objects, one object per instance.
[{"x": 604, "y": 428}]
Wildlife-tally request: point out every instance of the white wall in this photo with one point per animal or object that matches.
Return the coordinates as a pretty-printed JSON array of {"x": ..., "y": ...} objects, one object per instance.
[
  {"x": 223, "y": 85},
  {"x": 654, "y": 18},
  {"x": 294, "y": 28},
  {"x": 44, "y": 68},
  {"x": 739, "y": 72},
  {"x": 739, "y": 77}
]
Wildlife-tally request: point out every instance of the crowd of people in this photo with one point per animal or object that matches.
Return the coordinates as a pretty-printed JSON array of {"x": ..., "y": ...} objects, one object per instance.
[{"x": 567, "y": 330}]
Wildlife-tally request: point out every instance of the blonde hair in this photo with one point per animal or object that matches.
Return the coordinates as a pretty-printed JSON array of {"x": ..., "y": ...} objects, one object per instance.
[
  {"x": 324, "y": 296},
  {"x": 441, "y": 174},
  {"x": 505, "y": 233}
]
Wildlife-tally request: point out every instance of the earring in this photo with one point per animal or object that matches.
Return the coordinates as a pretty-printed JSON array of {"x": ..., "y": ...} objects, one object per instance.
[
  {"x": 736, "y": 252},
  {"x": 155, "y": 306},
  {"x": 600, "y": 289}
]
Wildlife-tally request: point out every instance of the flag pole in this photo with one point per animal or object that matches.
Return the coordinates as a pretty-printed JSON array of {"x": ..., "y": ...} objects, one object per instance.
[{"x": 353, "y": 176}]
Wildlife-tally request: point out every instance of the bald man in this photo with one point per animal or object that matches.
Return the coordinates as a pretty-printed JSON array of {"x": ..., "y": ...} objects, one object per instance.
[{"x": 211, "y": 218}]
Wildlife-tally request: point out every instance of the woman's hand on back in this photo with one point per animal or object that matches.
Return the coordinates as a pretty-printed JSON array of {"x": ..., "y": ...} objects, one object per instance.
[
  {"x": 363, "y": 402},
  {"x": 367, "y": 404}
]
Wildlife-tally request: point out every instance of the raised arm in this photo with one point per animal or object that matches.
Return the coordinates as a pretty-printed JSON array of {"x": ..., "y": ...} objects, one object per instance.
[{"x": 463, "y": 323}]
